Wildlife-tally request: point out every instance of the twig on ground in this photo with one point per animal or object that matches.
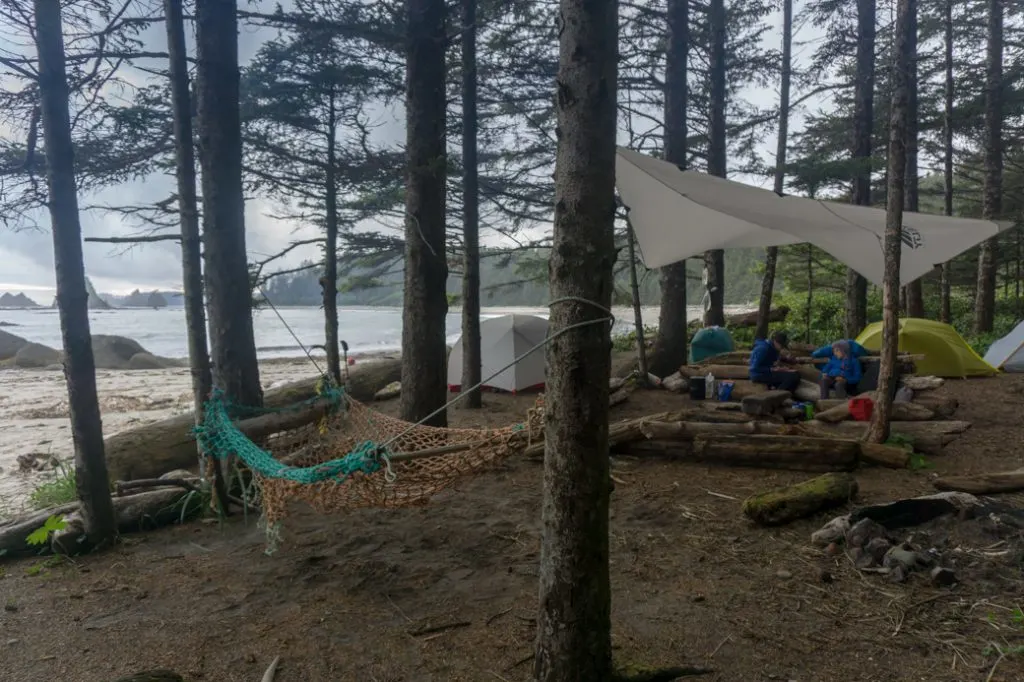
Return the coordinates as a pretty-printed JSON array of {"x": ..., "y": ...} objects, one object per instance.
[
  {"x": 724, "y": 497},
  {"x": 499, "y": 615},
  {"x": 992, "y": 672},
  {"x": 440, "y": 628},
  {"x": 720, "y": 645}
]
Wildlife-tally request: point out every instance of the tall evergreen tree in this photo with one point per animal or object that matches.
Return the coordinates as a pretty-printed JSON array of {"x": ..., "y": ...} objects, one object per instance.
[
  {"x": 91, "y": 482},
  {"x": 717, "y": 152},
  {"x": 670, "y": 346},
  {"x": 898, "y": 137},
  {"x": 863, "y": 126},
  {"x": 991, "y": 202},
  {"x": 425, "y": 305},
  {"x": 772, "y": 253},
  {"x": 574, "y": 620},
  {"x": 471, "y": 356},
  {"x": 235, "y": 369}
]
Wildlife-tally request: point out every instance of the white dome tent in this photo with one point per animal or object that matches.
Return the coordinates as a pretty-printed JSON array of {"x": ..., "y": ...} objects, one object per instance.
[
  {"x": 502, "y": 340},
  {"x": 1007, "y": 353}
]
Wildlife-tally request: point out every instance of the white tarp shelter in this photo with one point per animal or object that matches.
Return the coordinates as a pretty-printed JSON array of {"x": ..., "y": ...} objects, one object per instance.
[
  {"x": 1007, "y": 353},
  {"x": 502, "y": 340},
  {"x": 679, "y": 214}
]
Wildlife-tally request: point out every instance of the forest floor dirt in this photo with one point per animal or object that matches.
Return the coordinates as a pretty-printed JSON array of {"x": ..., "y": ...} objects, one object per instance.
[{"x": 449, "y": 591}]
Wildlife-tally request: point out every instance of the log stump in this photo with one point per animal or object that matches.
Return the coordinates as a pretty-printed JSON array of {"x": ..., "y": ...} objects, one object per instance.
[{"x": 783, "y": 505}]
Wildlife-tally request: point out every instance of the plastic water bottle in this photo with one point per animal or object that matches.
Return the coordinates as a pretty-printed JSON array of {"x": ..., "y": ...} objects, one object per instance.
[{"x": 709, "y": 387}]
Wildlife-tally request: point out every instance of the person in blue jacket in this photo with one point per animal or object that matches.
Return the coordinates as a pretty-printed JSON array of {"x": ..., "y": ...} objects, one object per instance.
[
  {"x": 842, "y": 371},
  {"x": 763, "y": 357}
]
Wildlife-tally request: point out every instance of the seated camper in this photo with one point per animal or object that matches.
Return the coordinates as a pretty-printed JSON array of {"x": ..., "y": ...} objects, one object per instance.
[
  {"x": 765, "y": 355},
  {"x": 842, "y": 371}
]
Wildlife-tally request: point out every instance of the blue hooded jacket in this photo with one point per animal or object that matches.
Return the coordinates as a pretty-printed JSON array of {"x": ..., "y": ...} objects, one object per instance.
[
  {"x": 849, "y": 367},
  {"x": 762, "y": 358}
]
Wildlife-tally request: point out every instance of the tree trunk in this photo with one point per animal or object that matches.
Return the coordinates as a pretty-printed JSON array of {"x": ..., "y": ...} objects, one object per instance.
[
  {"x": 228, "y": 292},
  {"x": 425, "y": 307},
  {"x": 947, "y": 155},
  {"x": 714, "y": 260},
  {"x": 863, "y": 122},
  {"x": 574, "y": 623},
  {"x": 72, "y": 296},
  {"x": 188, "y": 214},
  {"x": 329, "y": 283},
  {"x": 638, "y": 318},
  {"x": 898, "y": 134},
  {"x": 914, "y": 291},
  {"x": 771, "y": 256},
  {"x": 671, "y": 343},
  {"x": 471, "y": 355},
  {"x": 991, "y": 199}
]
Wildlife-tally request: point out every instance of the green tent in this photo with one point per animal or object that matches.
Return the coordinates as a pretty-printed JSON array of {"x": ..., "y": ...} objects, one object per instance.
[{"x": 710, "y": 341}]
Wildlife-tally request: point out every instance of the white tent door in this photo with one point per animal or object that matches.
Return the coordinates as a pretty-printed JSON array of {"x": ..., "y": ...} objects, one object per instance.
[
  {"x": 502, "y": 340},
  {"x": 1008, "y": 352}
]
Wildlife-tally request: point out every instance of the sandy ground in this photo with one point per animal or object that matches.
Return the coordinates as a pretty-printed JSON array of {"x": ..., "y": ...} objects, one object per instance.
[
  {"x": 34, "y": 413},
  {"x": 448, "y": 592}
]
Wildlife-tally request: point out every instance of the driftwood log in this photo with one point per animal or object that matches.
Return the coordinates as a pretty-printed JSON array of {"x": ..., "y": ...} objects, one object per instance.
[
  {"x": 150, "y": 509},
  {"x": 984, "y": 484},
  {"x": 904, "y": 412},
  {"x": 783, "y": 505},
  {"x": 797, "y": 453},
  {"x": 151, "y": 450}
]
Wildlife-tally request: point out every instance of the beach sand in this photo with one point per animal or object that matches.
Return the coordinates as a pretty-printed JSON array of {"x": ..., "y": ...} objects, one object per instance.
[{"x": 34, "y": 414}]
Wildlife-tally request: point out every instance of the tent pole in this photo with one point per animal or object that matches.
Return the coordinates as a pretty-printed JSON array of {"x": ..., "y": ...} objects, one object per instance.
[{"x": 638, "y": 317}]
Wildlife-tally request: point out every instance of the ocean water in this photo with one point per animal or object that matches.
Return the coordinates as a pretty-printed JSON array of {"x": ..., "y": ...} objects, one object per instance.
[{"x": 366, "y": 330}]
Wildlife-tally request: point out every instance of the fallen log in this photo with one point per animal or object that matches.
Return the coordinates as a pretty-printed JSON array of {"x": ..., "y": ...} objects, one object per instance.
[
  {"x": 984, "y": 484},
  {"x": 133, "y": 512},
  {"x": 782, "y": 505},
  {"x": 904, "y": 412},
  {"x": 801, "y": 453},
  {"x": 680, "y": 430},
  {"x": 927, "y": 437},
  {"x": 151, "y": 450},
  {"x": 943, "y": 406},
  {"x": 883, "y": 455},
  {"x": 923, "y": 383}
]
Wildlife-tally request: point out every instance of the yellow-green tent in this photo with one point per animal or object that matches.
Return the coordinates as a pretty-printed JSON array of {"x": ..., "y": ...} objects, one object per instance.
[{"x": 946, "y": 354}]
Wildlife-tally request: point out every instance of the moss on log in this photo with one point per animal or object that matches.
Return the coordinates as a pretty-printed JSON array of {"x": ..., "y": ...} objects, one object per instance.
[
  {"x": 789, "y": 503},
  {"x": 151, "y": 450}
]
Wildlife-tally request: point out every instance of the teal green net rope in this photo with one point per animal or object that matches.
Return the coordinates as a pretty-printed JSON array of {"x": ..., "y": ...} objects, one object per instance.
[{"x": 220, "y": 438}]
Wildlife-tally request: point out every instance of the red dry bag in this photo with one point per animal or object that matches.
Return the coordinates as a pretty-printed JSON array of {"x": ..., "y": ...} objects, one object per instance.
[{"x": 861, "y": 409}]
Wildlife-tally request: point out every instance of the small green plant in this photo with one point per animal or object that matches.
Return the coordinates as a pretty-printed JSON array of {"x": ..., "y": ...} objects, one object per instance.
[
  {"x": 61, "y": 490},
  {"x": 900, "y": 440},
  {"x": 41, "y": 535},
  {"x": 919, "y": 462}
]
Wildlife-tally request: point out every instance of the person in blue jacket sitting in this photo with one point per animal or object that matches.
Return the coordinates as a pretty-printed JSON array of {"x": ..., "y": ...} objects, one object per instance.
[
  {"x": 763, "y": 357},
  {"x": 842, "y": 371}
]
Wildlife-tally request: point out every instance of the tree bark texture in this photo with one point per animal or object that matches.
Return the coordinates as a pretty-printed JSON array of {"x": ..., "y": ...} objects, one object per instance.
[
  {"x": 329, "y": 284},
  {"x": 670, "y": 347},
  {"x": 188, "y": 214},
  {"x": 228, "y": 293},
  {"x": 992, "y": 186},
  {"x": 714, "y": 260},
  {"x": 72, "y": 296},
  {"x": 898, "y": 135},
  {"x": 914, "y": 291},
  {"x": 424, "y": 353},
  {"x": 638, "y": 317},
  {"x": 771, "y": 256},
  {"x": 471, "y": 355},
  {"x": 863, "y": 123},
  {"x": 947, "y": 151},
  {"x": 574, "y": 620}
]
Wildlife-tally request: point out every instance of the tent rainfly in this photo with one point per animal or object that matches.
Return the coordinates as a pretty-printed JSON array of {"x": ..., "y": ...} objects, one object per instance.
[
  {"x": 1007, "y": 353},
  {"x": 502, "y": 340},
  {"x": 678, "y": 214}
]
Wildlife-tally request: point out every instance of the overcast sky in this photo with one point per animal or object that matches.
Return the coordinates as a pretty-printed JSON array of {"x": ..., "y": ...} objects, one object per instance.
[{"x": 26, "y": 257}]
